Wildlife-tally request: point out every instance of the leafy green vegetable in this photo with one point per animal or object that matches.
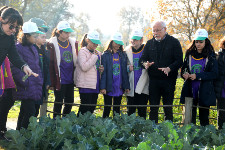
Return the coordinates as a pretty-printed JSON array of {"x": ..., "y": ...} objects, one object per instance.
[{"x": 89, "y": 132}]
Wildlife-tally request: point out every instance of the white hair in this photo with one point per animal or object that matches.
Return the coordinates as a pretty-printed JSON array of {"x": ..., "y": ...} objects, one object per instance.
[{"x": 163, "y": 23}]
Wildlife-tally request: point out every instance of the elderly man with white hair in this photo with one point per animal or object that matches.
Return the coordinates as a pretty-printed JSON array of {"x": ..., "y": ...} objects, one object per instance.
[{"x": 162, "y": 57}]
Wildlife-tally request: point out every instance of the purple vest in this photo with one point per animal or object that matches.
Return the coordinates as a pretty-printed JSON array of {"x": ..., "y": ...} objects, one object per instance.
[
  {"x": 66, "y": 64},
  {"x": 117, "y": 77},
  {"x": 86, "y": 90},
  {"x": 197, "y": 66},
  {"x": 137, "y": 67}
]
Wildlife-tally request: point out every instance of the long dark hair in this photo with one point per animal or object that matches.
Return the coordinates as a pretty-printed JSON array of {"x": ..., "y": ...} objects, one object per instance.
[
  {"x": 11, "y": 15},
  {"x": 207, "y": 50},
  {"x": 23, "y": 38},
  {"x": 56, "y": 32},
  {"x": 83, "y": 42},
  {"x": 109, "y": 47}
]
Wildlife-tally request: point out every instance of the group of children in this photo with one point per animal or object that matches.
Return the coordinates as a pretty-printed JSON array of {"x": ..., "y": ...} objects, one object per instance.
[{"x": 113, "y": 73}]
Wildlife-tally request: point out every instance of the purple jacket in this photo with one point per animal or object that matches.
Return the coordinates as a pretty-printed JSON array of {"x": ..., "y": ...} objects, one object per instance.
[{"x": 32, "y": 87}]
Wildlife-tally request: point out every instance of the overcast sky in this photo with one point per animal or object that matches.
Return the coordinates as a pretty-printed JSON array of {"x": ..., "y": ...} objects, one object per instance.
[{"x": 104, "y": 13}]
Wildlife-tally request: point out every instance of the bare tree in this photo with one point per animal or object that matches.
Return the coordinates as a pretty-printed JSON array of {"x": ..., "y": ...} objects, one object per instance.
[
  {"x": 45, "y": 10},
  {"x": 130, "y": 17},
  {"x": 81, "y": 25},
  {"x": 186, "y": 16}
]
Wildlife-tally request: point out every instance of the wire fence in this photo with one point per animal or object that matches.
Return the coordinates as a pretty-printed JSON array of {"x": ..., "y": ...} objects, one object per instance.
[
  {"x": 180, "y": 121},
  {"x": 178, "y": 109}
]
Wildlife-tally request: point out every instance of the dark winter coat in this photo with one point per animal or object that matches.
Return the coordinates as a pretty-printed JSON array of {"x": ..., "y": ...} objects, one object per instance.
[
  {"x": 8, "y": 48},
  {"x": 207, "y": 95},
  {"x": 107, "y": 75},
  {"x": 32, "y": 87},
  {"x": 44, "y": 70},
  {"x": 167, "y": 53},
  {"x": 219, "y": 83}
]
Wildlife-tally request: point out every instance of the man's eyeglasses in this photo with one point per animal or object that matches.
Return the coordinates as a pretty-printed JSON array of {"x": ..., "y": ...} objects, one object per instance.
[
  {"x": 155, "y": 31},
  {"x": 11, "y": 27}
]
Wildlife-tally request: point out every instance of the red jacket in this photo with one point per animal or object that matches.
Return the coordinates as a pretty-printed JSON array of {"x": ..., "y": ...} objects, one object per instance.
[{"x": 55, "y": 58}]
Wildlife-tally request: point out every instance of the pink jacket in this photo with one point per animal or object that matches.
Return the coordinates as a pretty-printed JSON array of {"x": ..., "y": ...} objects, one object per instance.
[
  {"x": 85, "y": 72},
  {"x": 6, "y": 79}
]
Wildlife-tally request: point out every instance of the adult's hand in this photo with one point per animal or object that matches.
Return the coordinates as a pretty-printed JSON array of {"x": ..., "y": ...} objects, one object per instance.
[
  {"x": 147, "y": 64},
  {"x": 29, "y": 72},
  {"x": 165, "y": 70}
]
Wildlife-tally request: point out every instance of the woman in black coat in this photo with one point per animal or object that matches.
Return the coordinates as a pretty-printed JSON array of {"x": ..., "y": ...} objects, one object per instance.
[
  {"x": 199, "y": 71},
  {"x": 10, "y": 21},
  {"x": 220, "y": 84}
]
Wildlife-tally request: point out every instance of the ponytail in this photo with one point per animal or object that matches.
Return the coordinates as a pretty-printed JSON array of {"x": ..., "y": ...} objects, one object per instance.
[
  {"x": 56, "y": 32},
  {"x": 11, "y": 14},
  {"x": 84, "y": 41}
]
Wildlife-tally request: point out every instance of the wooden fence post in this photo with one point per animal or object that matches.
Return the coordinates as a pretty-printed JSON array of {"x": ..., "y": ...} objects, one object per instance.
[
  {"x": 187, "y": 111},
  {"x": 43, "y": 109}
]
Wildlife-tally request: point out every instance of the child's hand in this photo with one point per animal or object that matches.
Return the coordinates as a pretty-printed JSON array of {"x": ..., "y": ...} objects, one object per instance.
[
  {"x": 127, "y": 90},
  {"x": 51, "y": 88},
  {"x": 192, "y": 76},
  {"x": 103, "y": 91},
  {"x": 131, "y": 68},
  {"x": 101, "y": 68},
  {"x": 186, "y": 76}
]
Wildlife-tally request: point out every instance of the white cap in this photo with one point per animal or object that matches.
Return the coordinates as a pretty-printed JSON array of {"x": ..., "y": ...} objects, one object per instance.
[
  {"x": 201, "y": 34},
  {"x": 30, "y": 27},
  {"x": 94, "y": 37},
  {"x": 118, "y": 38},
  {"x": 64, "y": 26},
  {"x": 137, "y": 34}
]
